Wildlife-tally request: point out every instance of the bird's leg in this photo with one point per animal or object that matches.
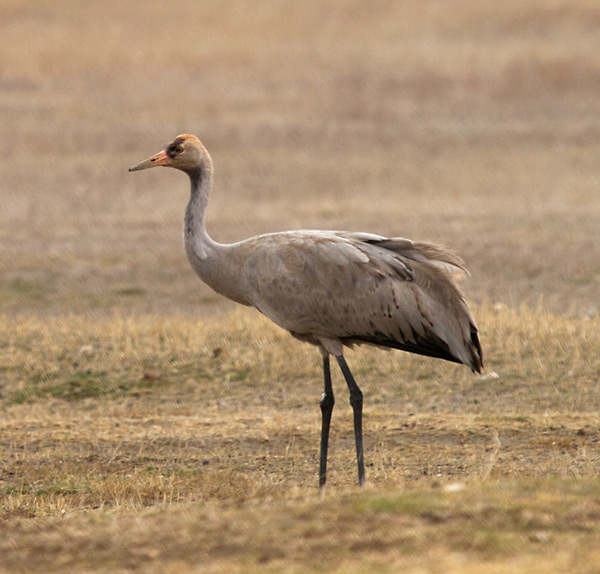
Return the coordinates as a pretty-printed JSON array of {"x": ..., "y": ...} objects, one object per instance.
[
  {"x": 356, "y": 400},
  {"x": 326, "y": 404}
]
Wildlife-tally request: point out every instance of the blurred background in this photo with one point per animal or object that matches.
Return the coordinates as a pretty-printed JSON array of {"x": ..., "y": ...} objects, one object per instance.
[
  {"x": 147, "y": 427},
  {"x": 472, "y": 124}
]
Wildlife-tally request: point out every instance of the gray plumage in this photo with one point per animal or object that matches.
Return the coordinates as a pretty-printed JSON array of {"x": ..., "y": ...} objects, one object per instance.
[{"x": 332, "y": 288}]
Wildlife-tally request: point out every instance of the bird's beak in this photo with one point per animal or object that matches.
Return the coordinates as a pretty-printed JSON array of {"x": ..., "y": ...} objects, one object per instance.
[{"x": 160, "y": 158}]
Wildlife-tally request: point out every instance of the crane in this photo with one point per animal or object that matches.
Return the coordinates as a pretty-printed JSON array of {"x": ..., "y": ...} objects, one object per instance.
[{"x": 333, "y": 289}]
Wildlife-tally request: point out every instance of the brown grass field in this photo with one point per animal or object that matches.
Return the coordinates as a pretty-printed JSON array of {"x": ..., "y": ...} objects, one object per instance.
[{"x": 149, "y": 425}]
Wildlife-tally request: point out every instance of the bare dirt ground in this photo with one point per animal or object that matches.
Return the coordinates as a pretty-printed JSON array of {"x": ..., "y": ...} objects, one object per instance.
[{"x": 147, "y": 425}]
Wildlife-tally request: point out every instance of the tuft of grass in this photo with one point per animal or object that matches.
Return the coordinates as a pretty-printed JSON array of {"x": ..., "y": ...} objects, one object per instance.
[{"x": 79, "y": 385}]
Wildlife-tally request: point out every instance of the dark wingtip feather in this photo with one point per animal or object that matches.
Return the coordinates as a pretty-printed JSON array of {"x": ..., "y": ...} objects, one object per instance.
[
  {"x": 476, "y": 352},
  {"x": 431, "y": 347}
]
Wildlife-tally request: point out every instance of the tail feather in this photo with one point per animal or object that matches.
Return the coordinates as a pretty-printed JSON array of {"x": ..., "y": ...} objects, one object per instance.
[{"x": 422, "y": 251}]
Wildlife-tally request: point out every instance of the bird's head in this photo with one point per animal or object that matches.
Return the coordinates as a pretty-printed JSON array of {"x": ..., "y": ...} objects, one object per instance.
[{"x": 185, "y": 152}]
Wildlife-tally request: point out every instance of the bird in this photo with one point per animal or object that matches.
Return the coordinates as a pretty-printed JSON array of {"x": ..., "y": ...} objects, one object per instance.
[{"x": 332, "y": 289}]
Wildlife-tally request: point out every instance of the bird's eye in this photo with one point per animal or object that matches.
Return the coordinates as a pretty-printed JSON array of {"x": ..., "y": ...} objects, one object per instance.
[{"x": 179, "y": 149}]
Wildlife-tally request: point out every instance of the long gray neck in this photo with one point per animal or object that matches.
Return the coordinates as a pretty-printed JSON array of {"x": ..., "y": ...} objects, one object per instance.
[
  {"x": 213, "y": 262},
  {"x": 198, "y": 245}
]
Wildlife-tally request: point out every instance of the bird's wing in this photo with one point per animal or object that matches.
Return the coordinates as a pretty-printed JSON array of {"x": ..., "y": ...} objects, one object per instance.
[{"x": 360, "y": 288}]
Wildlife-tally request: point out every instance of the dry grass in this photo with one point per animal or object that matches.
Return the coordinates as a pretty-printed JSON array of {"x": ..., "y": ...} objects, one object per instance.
[
  {"x": 534, "y": 360},
  {"x": 548, "y": 526},
  {"x": 148, "y": 426},
  {"x": 214, "y": 425}
]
